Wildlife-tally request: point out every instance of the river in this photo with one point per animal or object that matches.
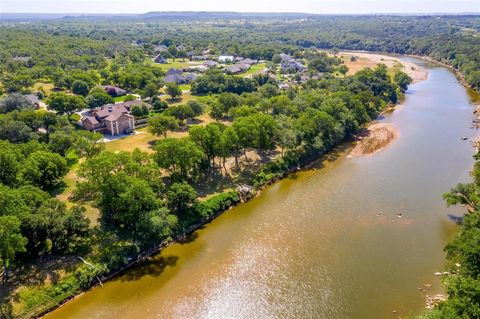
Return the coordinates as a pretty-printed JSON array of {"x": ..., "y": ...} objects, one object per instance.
[{"x": 313, "y": 245}]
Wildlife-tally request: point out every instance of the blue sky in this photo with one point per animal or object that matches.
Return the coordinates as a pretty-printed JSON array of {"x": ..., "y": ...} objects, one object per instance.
[{"x": 310, "y": 6}]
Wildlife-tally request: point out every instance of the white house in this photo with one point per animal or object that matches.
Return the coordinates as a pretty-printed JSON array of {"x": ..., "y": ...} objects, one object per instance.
[{"x": 226, "y": 58}]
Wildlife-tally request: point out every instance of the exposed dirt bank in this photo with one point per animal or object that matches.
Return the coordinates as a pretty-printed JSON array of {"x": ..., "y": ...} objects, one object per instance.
[
  {"x": 374, "y": 139},
  {"x": 371, "y": 60}
]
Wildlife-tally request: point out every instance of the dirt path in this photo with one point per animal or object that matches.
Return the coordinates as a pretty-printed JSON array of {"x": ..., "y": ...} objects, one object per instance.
[{"x": 375, "y": 139}]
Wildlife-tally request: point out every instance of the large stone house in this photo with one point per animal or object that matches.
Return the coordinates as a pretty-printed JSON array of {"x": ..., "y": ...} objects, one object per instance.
[{"x": 113, "y": 119}]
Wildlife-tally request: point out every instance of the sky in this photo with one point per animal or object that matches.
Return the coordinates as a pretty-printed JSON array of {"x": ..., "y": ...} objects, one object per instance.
[{"x": 307, "y": 6}]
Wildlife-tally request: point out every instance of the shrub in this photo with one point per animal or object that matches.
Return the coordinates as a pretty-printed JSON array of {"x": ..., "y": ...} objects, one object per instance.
[{"x": 208, "y": 208}]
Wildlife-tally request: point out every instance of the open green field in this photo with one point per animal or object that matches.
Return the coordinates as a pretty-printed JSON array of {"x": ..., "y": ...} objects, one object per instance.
[
  {"x": 256, "y": 68},
  {"x": 177, "y": 64}
]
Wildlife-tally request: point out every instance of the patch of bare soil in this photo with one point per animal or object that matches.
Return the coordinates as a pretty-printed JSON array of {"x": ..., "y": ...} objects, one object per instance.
[{"x": 375, "y": 139}]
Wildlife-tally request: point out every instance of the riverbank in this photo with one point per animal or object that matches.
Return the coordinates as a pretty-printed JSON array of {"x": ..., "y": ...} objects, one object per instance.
[
  {"x": 194, "y": 228},
  {"x": 362, "y": 59}
]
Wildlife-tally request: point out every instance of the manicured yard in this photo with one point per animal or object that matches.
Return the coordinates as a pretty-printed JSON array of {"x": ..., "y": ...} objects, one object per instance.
[
  {"x": 177, "y": 64},
  {"x": 255, "y": 68}
]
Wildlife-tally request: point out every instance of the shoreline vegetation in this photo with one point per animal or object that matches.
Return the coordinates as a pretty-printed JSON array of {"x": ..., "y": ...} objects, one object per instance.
[{"x": 379, "y": 136}]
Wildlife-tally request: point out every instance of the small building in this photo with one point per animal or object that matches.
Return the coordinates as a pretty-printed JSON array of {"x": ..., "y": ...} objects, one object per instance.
[
  {"x": 180, "y": 47},
  {"x": 226, "y": 59}
]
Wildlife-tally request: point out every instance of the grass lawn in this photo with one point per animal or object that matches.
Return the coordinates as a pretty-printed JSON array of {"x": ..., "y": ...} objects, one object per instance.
[
  {"x": 186, "y": 96},
  {"x": 119, "y": 98},
  {"x": 63, "y": 194},
  {"x": 47, "y": 87},
  {"x": 185, "y": 87},
  {"x": 256, "y": 68},
  {"x": 177, "y": 64}
]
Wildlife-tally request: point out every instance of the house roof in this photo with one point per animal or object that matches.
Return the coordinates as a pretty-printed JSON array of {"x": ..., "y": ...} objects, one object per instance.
[
  {"x": 174, "y": 71},
  {"x": 160, "y": 48},
  {"x": 172, "y": 78},
  {"x": 159, "y": 59},
  {"x": 113, "y": 89},
  {"x": 210, "y": 63},
  {"x": 92, "y": 119},
  {"x": 226, "y": 58},
  {"x": 233, "y": 69},
  {"x": 285, "y": 57},
  {"x": 248, "y": 61}
]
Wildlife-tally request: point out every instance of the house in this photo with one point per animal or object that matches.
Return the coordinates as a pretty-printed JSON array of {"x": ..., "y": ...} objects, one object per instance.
[
  {"x": 226, "y": 59},
  {"x": 243, "y": 67},
  {"x": 232, "y": 69},
  {"x": 285, "y": 57},
  {"x": 113, "y": 90},
  {"x": 113, "y": 119},
  {"x": 160, "y": 48},
  {"x": 248, "y": 61},
  {"x": 293, "y": 65},
  {"x": 198, "y": 57},
  {"x": 237, "y": 68},
  {"x": 210, "y": 64},
  {"x": 173, "y": 71},
  {"x": 177, "y": 76},
  {"x": 196, "y": 68},
  {"x": 180, "y": 47},
  {"x": 160, "y": 59}
]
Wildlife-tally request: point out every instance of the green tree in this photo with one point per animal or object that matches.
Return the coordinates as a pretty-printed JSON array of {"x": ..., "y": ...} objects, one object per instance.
[
  {"x": 196, "y": 107},
  {"x": 181, "y": 157},
  {"x": 66, "y": 104},
  {"x": 10, "y": 163},
  {"x": 161, "y": 124},
  {"x": 173, "y": 90},
  {"x": 150, "y": 90},
  {"x": 209, "y": 139},
  {"x": 180, "y": 197},
  {"x": 98, "y": 98},
  {"x": 181, "y": 112},
  {"x": 402, "y": 79},
  {"x": 88, "y": 144},
  {"x": 11, "y": 242},
  {"x": 44, "y": 169},
  {"x": 14, "y": 102},
  {"x": 80, "y": 87}
]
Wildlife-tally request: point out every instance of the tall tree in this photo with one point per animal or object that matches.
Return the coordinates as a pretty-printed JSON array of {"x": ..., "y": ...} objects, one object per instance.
[{"x": 11, "y": 242}]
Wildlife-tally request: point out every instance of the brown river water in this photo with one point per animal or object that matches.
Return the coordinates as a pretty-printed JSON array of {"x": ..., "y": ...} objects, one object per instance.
[{"x": 313, "y": 244}]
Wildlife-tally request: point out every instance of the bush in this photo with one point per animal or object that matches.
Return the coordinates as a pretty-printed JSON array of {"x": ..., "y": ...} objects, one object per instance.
[{"x": 218, "y": 203}]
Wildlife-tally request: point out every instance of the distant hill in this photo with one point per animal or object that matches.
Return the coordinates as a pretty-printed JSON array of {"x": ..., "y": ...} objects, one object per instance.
[{"x": 185, "y": 15}]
